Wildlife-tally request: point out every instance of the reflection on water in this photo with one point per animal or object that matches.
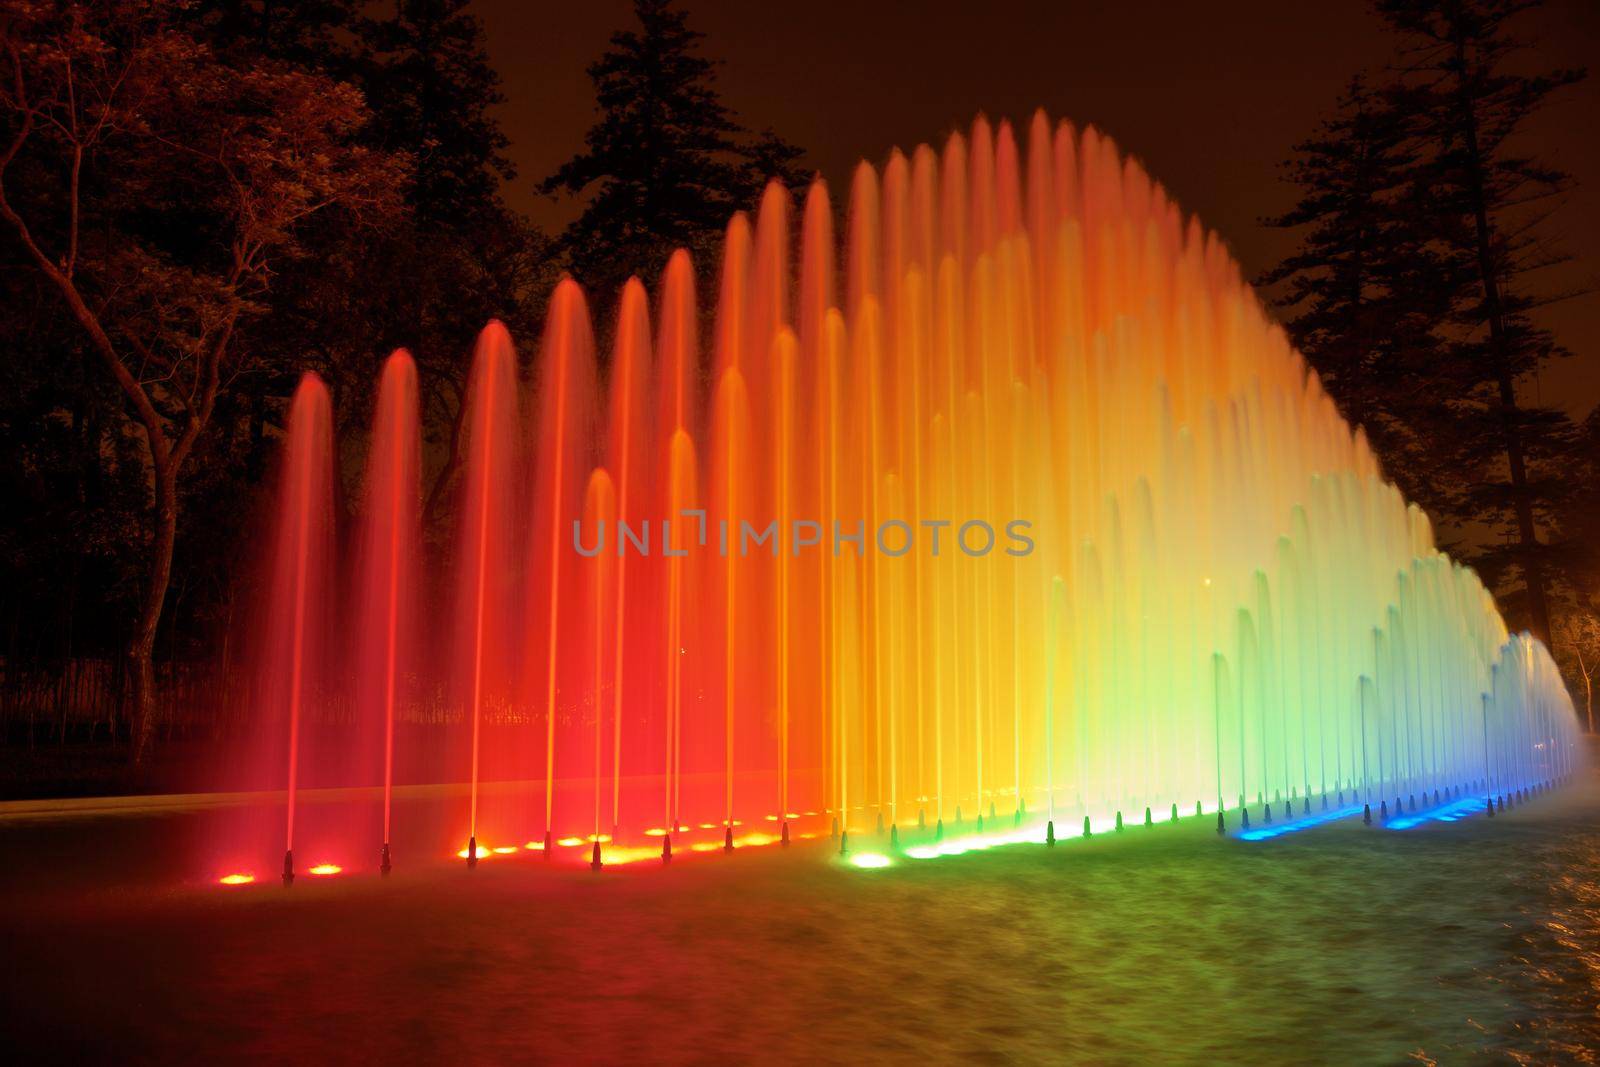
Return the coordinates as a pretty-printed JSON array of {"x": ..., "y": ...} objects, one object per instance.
[{"x": 1453, "y": 942}]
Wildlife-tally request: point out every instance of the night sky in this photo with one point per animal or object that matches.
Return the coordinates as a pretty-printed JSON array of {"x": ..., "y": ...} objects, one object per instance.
[{"x": 1210, "y": 96}]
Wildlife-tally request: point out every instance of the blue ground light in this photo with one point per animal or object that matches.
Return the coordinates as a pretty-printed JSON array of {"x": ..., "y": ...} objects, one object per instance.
[
  {"x": 1455, "y": 811},
  {"x": 1305, "y": 822}
]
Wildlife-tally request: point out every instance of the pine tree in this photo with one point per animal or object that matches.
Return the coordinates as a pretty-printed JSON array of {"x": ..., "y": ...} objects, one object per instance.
[
  {"x": 1366, "y": 292},
  {"x": 465, "y": 256},
  {"x": 432, "y": 92},
  {"x": 455, "y": 257},
  {"x": 1485, "y": 202},
  {"x": 313, "y": 34},
  {"x": 667, "y": 162}
]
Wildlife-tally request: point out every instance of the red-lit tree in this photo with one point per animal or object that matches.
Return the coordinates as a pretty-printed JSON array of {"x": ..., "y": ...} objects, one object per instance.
[{"x": 155, "y": 184}]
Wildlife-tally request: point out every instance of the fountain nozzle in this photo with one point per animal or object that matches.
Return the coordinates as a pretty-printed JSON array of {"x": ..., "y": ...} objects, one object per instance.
[
  {"x": 288, "y": 868},
  {"x": 472, "y": 852},
  {"x": 784, "y": 840},
  {"x": 594, "y": 857},
  {"x": 384, "y": 865},
  {"x": 727, "y": 839}
]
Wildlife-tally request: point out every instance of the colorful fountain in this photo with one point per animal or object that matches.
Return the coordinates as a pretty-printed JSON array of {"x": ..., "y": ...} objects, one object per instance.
[{"x": 1012, "y": 514}]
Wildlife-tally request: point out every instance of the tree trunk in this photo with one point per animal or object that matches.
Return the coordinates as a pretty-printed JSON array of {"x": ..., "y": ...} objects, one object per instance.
[
  {"x": 1494, "y": 309},
  {"x": 142, "y": 642},
  {"x": 452, "y": 458},
  {"x": 1588, "y": 689}
]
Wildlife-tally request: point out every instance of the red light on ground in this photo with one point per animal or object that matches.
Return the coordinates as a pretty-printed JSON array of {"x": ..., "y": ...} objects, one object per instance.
[
  {"x": 505, "y": 850},
  {"x": 325, "y": 869},
  {"x": 237, "y": 879}
]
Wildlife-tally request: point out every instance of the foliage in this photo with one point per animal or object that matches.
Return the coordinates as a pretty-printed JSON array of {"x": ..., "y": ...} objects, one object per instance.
[
  {"x": 1415, "y": 293},
  {"x": 666, "y": 164},
  {"x": 157, "y": 186}
]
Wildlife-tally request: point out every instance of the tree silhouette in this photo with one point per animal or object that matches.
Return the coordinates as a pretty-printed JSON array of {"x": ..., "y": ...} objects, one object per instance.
[
  {"x": 165, "y": 186},
  {"x": 1413, "y": 290},
  {"x": 1367, "y": 292},
  {"x": 1486, "y": 203},
  {"x": 666, "y": 164}
]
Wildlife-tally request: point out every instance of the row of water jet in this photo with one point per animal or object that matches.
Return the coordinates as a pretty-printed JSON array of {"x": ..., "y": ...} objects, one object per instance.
[{"x": 1011, "y": 505}]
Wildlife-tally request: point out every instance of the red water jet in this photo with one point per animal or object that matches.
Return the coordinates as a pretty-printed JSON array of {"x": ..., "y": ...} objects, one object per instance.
[{"x": 386, "y": 599}]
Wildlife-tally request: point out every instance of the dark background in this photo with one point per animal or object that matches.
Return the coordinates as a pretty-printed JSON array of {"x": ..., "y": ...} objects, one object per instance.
[{"x": 1210, "y": 96}]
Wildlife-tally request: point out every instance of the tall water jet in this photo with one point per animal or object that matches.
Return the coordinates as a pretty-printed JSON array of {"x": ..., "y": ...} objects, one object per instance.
[
  {"x": 628, "y": 455},
  {"x": 599, "y": 516},
  {"x": 732, "y": 495},
  {"x": 301, "y": 578},
  {"x": 676, "y": 427},
  {"x": 564, "y": 450},
  {"x": 681, "y": 495},
  {"x": 484, "y": 628},
  {"x": 387, "y": 595}
]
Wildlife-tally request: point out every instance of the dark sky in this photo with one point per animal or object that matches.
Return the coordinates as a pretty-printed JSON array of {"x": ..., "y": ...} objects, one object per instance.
[{"x": 1209, "y": 95}]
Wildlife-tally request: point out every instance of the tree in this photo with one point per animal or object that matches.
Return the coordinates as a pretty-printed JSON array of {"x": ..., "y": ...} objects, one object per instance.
[
  {"x": 666, "y": 164},
  {"x": 309, "y": 34},
  {"x": 1578, "y": 626},
  {"x": 1367, "y": 291},
  {"x": 433, "y": 93},
  {"x": 155, "y": 185},
  {"x": 463, "y": 257},
  {"x": 1413, "y": 294},
  {"x": 1486, "y": 201},
  {"x": 435, "y": 272}
]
